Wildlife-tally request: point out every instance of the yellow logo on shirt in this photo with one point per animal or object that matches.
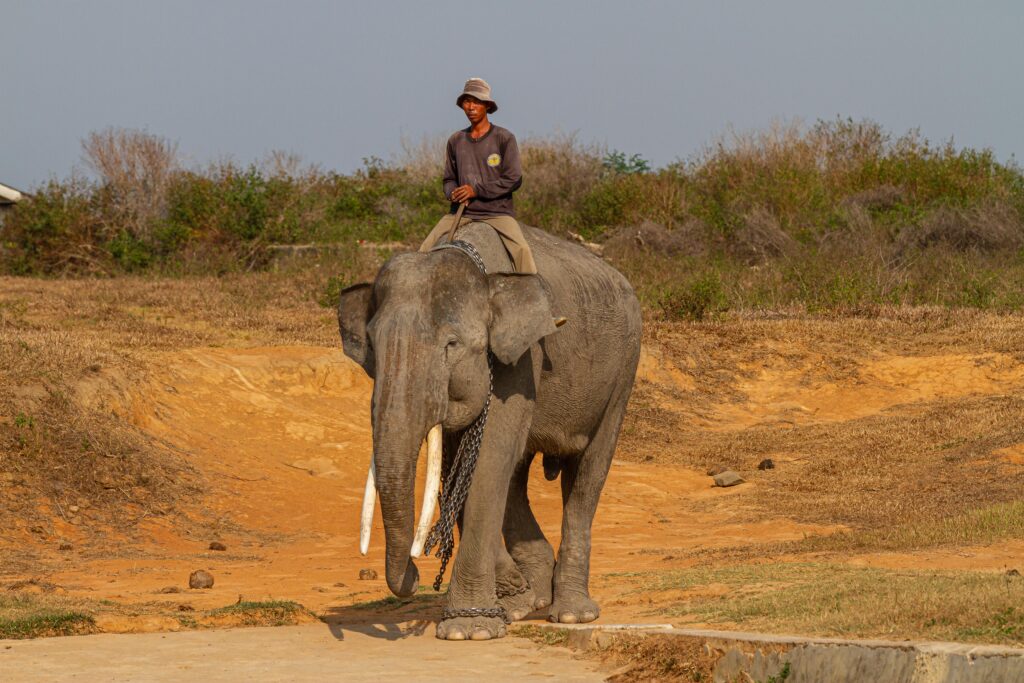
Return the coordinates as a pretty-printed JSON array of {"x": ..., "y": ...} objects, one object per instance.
[{"x": 494, "y": 160}]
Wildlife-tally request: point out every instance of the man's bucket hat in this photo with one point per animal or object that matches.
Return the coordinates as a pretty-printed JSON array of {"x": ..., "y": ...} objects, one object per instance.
[{"x": 478, "y": 88}]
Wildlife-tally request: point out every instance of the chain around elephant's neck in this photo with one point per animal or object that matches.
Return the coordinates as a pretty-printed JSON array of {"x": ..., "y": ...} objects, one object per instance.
[{"x": 460, "y": 471}]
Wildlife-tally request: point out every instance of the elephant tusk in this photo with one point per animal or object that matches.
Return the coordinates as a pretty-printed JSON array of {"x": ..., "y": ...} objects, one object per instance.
[
  {"x": 369, "y": 500},
  {"x": 430, "y": 490}
]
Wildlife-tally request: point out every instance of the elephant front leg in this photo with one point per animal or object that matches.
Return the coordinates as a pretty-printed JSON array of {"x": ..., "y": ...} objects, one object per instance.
[{"x": 472, "y": 610}]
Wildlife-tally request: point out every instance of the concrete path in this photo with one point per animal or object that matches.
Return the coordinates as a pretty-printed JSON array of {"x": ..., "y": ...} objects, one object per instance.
[{"x": 312, "y": 652}]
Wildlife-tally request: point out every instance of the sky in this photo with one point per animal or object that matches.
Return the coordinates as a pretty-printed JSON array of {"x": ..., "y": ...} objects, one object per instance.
[{"x": 337, "y": 82}]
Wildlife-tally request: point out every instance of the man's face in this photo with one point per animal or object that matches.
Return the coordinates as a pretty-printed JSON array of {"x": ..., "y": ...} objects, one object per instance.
[{"x": 476, "y": 111}]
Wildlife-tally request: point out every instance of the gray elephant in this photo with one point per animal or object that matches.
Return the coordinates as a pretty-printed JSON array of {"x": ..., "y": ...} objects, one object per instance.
[{"x": 423, "y": 330}]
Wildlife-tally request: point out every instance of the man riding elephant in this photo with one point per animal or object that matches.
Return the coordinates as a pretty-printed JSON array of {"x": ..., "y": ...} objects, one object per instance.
[
  {"x": 463, "y": 343},
  {"x": 481, "y": 171}
]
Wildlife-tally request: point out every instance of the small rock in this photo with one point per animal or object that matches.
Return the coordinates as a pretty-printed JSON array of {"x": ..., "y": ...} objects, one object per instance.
[
  {"x": 217, "y": 545},
  {"x": 716, "y": 469},
  {"x": 170, "y": 589},
  {"x": 76, "y": 520},
  {"x": 73, "y": 508},
  {"x": 186, "y": 608},
  {"x": 339, "y": 585},
  {"x": 200, "y": 579},
  {"x": 728, "y": 478},
  {"x": 37, "y": 529},
  {"x": 320, "y": 589},
  {"x": 367, "y": 574},
  {"x": 1013, "y": 572},
  {"x": 65, "y": 545},
  {"x": 766, "y": 464}
]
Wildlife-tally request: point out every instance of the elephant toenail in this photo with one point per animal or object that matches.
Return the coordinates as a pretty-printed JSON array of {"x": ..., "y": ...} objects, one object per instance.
[
  {"x": 480, "y": 634},
  {"x": 567, "y": 618},
  {"x": 589, "y": 616},
  {"x": 456, "y": 634},
  {"x": 541, "y": 602}
]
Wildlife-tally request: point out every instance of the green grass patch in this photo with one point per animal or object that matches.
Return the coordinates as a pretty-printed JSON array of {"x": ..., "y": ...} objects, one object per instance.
[
  {"x": 47, "y": 625},
  {"x": 541, "y": 635},
  {"x": 844, "y": 601}
]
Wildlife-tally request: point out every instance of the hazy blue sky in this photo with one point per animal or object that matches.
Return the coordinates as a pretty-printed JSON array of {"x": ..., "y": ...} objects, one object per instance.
[{"x": 337, "y": 81}]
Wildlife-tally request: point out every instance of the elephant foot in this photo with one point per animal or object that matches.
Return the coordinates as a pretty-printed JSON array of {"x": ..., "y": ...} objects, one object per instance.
[
  {"x": 519, "y": 603},
  {"x": 573, "y": 609},
  {"x": 471, "y": 628},
  {"x": 538, "y": 576}
]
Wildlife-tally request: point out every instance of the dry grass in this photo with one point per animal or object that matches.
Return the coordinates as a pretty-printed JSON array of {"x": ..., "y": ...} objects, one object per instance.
[
  {"x": 70, "y": 352},
  {"x": 910, "y": 464},
  {"x": 835, "y": 600}
]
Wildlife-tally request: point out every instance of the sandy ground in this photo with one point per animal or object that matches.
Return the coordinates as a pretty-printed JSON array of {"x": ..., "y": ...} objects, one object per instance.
[
  {"x": 282, "y": 437},
  {"x": 314, "y": 652}
]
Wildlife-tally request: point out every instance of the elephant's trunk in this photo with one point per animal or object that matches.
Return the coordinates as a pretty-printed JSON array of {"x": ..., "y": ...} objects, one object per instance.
[
  {"x": 396, "y": 474},
  {"x": 407, "y": 402}
]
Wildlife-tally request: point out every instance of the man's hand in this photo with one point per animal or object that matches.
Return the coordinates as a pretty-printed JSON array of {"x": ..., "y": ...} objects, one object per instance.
[{"x": 463, "y": 193}]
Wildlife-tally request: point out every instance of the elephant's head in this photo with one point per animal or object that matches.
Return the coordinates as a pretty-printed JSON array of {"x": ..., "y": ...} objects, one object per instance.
[{"x": 422, "y": 331}]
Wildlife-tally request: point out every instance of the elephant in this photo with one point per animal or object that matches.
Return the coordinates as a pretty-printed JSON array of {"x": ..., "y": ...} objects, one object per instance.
[{"x": 423, "y": 331}]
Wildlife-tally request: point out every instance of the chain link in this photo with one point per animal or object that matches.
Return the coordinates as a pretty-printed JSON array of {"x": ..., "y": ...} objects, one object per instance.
[
  {"x": 515, "y": 590},
  {"x": 460, "y": 473},
  {"x": 493, "y": 612}
]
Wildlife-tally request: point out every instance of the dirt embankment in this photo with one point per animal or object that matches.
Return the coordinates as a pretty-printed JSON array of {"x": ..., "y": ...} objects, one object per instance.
[{"x": 870, "y": 424}]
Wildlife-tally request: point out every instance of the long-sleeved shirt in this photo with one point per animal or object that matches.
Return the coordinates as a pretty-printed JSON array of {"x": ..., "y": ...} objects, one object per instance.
[{"x": 490, "y": 165}]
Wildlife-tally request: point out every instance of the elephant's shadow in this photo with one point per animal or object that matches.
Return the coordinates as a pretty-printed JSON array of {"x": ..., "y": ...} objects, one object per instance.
[{"x": 392, "y": 620}]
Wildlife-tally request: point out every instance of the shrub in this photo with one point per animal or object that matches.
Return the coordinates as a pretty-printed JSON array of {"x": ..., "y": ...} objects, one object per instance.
[{"x": 694, "y": 299}]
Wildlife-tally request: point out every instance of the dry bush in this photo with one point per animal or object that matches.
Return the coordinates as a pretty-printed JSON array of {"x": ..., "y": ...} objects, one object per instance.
[
  {"x": 760, "y": 237},
  {"x": 136, "y": 169},
  {"x": 881, "y": 198},
  {"x": 989, "y": 227},
  {"x": 423, "y": 159},
  {"x": 559, "y": 172},
  {"x": 690, "y": 239}
]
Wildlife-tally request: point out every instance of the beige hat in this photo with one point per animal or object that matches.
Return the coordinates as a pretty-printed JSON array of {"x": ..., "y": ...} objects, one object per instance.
[{"x": 478, "y": 88}]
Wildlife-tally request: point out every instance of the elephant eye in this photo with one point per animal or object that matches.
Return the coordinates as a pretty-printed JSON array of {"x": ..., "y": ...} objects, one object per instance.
[{"x": 451, "y": 347}]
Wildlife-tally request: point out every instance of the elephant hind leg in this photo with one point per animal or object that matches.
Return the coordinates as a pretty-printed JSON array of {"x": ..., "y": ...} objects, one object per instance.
[
  {"x": 512, "y": 588},
  {"x": 524, "y": 540},
  {"x": 583, "y": 479}
]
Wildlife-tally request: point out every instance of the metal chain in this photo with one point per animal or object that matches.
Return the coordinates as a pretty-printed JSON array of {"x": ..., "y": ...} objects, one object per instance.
[
  {"x": 494, "y": 612},
  {"x": 456, "y": 486},
  {"x": 467, "y": 249},
  {"x": 515, "y": 590},
  {"x": 460, "y": 474}
]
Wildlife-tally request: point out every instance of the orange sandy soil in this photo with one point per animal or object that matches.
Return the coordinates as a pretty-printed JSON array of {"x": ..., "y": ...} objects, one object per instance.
[{"x": 281, "y": 438}]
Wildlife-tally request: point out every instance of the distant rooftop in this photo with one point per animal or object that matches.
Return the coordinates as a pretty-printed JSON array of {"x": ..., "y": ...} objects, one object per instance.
[{"x": 8, "y": 195}]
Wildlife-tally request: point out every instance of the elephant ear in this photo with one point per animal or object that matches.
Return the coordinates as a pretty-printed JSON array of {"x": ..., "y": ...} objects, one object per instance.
[
  {"x": 520, "y": 315},
  {"x": 355, "y": 308}
]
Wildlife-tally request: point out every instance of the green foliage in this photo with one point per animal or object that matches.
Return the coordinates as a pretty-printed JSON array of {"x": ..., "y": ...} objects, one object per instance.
[
  {"x": 694, "y": 299},
  {"x": 1005, "y": 625},
  {"x": 617, "y": 162},
  {"x": 837, "y": 216},
  {"x": 331, "y": 293}
]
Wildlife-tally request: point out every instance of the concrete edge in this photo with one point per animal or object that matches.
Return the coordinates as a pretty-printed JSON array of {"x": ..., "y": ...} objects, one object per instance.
[{"x": 760, "y": 657}]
